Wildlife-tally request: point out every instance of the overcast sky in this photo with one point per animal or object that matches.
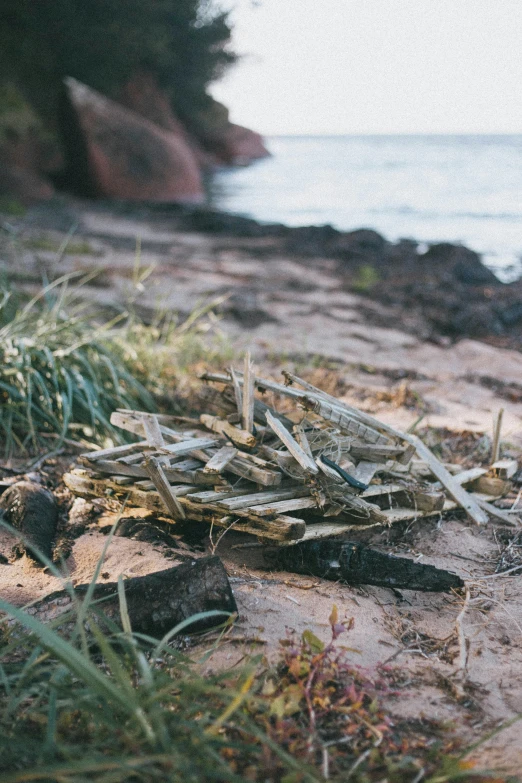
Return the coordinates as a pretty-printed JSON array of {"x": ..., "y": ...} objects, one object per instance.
[{"x": 376, "y": 66}]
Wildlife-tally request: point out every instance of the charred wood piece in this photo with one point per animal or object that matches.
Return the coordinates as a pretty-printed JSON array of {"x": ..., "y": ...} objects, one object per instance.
[
  {"x": 156, "y": 602},
  {"x": 33, "y": 511},
  {"x": 356, "y": 564}
]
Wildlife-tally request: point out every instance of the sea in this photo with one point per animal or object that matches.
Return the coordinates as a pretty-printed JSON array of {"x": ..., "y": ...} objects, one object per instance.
[{"x": 452, "y": 188}]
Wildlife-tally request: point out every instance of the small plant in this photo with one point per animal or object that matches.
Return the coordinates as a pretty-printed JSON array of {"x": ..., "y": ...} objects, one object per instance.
[{"x": 365, "y": 278}]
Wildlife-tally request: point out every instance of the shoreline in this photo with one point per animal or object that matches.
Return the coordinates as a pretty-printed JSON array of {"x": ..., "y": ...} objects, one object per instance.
[{"x": 444, "y": 293}]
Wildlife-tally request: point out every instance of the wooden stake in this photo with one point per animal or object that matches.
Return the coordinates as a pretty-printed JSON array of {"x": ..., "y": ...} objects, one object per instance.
[
  {"x": 497, "y": 428},
  {"x": 248, "y": 395},
  {"x": 158, "y": 478}
]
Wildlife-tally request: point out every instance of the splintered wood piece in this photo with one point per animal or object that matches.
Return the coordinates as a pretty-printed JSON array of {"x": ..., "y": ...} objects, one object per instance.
[
  {"x": 378, "y": 452},
  {"x": 152, "y": 431},
  {"x": 258, "y": 498},
  {"x": 306, "y": 462},
  {"x": 291, "y": 378},
  {"x": 497, "y": 513},
  {"x": 173, "y": 474},
  {"x": 132, "y": 421},
  {"x": 260, "y": 407},
  {"x": 157, "y": 476},
  {"x": 459, "y": 495},
  {"x": 301, "y": 438},
  {"x": 356, "y": 506},
  {"x": 249, "y": 377},
  {"x": 497, "y": 429},
  {"x": 116, "y": 452},
  {"x": 365, "y": 471},
  {"x": 282, "y": 507},
  {"x": 237, "y": 391},
  {"x": 186, "y": 446},
  {"x": 213, "y": 497},
  {"x": 222, "y": 427},
  {"x": 315, "y": 530},
  {"x": 242, "y": 467},
  {"x": 344, "y": 420},
  {"x": 329, "y": 471},
  {"x": 504, "y": 468},
  {"x": 220, "y": 459},
  {"x": 466, "y": 477}
]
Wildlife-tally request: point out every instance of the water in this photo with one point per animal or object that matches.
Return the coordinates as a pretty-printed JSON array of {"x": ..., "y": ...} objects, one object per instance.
[{"x": 430, "y": 188}]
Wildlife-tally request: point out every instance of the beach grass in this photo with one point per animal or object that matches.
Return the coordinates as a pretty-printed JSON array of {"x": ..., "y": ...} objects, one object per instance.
[
  {"x": 85, "y": 699},
  {"x": 64, "y": 367}
]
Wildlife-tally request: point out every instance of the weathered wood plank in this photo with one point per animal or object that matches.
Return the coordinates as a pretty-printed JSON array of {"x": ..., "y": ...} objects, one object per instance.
[
  {"x": 218, "y": 462},
  {"x": 116, "y": 452},
  {"x": 223, "y": 427},
  {"x": 259, "y": 498},
  {"x": 282, "y": 507}
]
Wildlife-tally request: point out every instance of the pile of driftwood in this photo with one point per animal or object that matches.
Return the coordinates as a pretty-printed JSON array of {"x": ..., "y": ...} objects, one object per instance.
[{"x": 319, "y": 469}]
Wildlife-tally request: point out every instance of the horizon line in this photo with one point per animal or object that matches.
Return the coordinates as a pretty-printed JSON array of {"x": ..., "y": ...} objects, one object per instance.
[{"x": 392, "y": 133}]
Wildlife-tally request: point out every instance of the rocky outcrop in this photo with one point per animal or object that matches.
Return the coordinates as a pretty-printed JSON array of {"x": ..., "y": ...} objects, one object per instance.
[
  {"x": 236, "y": 145},
  {"x": 143, "y": 95},
  {"x": 117, "y": 153}
]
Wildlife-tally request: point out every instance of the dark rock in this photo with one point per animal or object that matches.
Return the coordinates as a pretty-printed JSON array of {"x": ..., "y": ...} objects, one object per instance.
[
  {"x": 214, "y": 222},
  {"x": 475, "y": 319},
  {"x": 511, "y": 314},
  {"x": 312, "y": 240},
  {"x": 114, "y": 152},
  {"x": 363, "y": 242},
  {"x": 466, "y": 265}
]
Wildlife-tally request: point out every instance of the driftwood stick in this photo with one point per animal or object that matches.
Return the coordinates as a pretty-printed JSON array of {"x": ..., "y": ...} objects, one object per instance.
[
  {"x": 156, "y": 602},
  {"x": 158, "y": 478},
  {"x": 237, "y": 391},
  {"x": 459, "y": 495},
  {"x": 249, "y": 377},
  {"x": 306, "y": 462},
  {"x": 497, "y": 429}
]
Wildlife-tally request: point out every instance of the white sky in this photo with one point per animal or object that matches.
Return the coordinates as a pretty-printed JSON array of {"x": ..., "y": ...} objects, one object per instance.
[{"x": 376, "y": 66}]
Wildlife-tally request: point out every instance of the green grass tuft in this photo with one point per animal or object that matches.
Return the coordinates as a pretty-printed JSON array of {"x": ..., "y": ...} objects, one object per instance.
[{"x": 63, "y": 370}]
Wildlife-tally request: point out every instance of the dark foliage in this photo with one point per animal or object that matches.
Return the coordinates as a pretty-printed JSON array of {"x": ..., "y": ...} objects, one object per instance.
[{"x": 103, "y": 42}]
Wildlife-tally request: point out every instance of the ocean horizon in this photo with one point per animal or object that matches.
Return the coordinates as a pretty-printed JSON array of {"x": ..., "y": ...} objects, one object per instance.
[{"x": 455, "y": 187}]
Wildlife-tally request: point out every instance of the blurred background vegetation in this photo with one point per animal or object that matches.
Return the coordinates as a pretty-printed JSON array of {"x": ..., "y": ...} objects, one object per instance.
[{"x": 183, "y": 43}]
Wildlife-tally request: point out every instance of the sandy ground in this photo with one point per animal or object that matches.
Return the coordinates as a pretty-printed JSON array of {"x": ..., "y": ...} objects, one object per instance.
[{"x": 280, "y": 307}]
